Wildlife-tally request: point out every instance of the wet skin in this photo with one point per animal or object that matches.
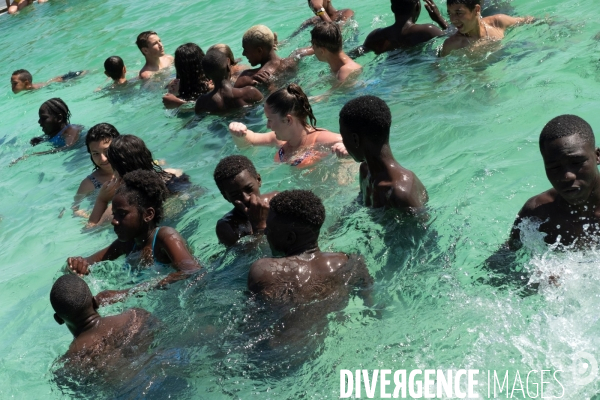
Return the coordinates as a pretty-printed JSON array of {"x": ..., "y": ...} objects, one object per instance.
[
  {"x": 250, "y": 208},
  {"x": 271, "y": 66},
  {"x": 573, "y": 204}
]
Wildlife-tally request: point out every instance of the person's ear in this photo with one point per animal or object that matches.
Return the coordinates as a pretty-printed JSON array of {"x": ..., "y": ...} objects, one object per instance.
[
  {"x": 291, "y": 237},
  {"x": 144, "y": 50},
  {"x": 95, "y": 303},
  {"x": 58, "y": 319},
  {"x": 597, "y": 155},
  {"x": 289, "y": 119},
  {"x": 124, "y": 69},
  {"x": 149, "y": 214},
  {"x": 259, "y": 179},
  {"x": 477, "y": 9}
]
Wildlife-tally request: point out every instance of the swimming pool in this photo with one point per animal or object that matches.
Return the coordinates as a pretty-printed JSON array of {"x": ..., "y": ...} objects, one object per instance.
[{"x": 467, "y": 127}]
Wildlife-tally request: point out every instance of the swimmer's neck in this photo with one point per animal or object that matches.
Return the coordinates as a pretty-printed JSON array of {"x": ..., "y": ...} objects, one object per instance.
[
  {"x": 300, "y": 132},
  {"x": 380, "y": 161},
  {"x": 87, "y": 324},
  {"x": 271, "y": 56},
  {"x": 62, "y": 127},
  {"x": 307, "y": 247},
  {"x": 478, "y": 32},
  {"x": 145, "y": 238},
  {"x": 152, "y": 61},
  {"x": 404, "y": 21}
]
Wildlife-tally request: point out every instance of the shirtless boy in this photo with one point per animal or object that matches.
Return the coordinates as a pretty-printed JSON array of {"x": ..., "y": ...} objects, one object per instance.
[
  {"x": 326, "y": 38},
  {"x": 570, "y": 211},
  {"x": 324, "y": 12},
  {"x": 21, "y": 80},
  {"x": 365, "y": 128},
  {"x": 240, "y": 184},
  {"x": 97, "y": 340},
  {"x": 115, "y": 69},
  {"x": 151, "y": 47},
  {"x": 224, "y": 96},
  {"x": 465, "y": 15},
  {"x": 259, "y": 48},
  {"x": 303, "y": 273},
  {"x": 18, "y": 5},
  {"x": 405, "y": 32}
]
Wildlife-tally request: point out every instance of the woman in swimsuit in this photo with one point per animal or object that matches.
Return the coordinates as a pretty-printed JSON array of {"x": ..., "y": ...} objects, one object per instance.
[
  {"x": 137, "y": 210},
  {"x": 288, "y": 111},
  {"x": 190, "y": 82},
  {"x": 97, "y": 141},
  {"x": 54, "y": 118},
  {"x": 128, "y": 153}
]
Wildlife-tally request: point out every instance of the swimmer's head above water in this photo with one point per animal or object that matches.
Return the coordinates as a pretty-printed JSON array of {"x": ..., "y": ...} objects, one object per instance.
[
  {"x": 289, "y": 103},
  {"x": 328, "y": 36},
  {"x": 128, "y": 153},
  {"x": 21, "y": 80},
  {"x": 101, "y": 134},
  {"x": 150, "y": 44},
  {"x": 223, "y": 48},
  {"x": 294, "y": 221},
  {"x": 258, "y": 42},
  {"x": 571, "y": 158},
  {"x": 188, "y": 66},
  {"x": 216, "y": 66},
  {"x": 54, "y": 115},
  {"x": 72, "y": 302},
  {"x": 114, "y": 68},
  {"x": 407, "y": 7},
  {"x": 237, "y": 179}
]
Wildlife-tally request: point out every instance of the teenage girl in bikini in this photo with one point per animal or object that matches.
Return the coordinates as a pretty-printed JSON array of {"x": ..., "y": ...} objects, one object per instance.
[
  {"x": 465, "y": 15},
  {"x": 137, "y": 209},
  {"x": 288, "y": 111}
]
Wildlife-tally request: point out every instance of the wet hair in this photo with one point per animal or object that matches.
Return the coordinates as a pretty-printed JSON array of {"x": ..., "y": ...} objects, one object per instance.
[
  {"x": 145, "y": 189},
  {"x": 128, "y": 153},
  {"x": 23, "y": 75},
  {"x": 368, "y": 116},
  {"x": 114, "y": 67},
  {"x": 142, "y": 39},
  {"x": 470, "y": 4},
  {"x": 259, "y": 36},
  {"x": 327, "y": 35},
  {"x": 215, "y": 65},
  {"x": 567, "y": 125},
  {"x": 230, "y": 166},
  {"x": 299, "y": 206},
  {"x": 100, "y": 133},
  {"x": 58, "y": 109},
  {"x": 404, "y": 7},
  {"x": 188, "y": 64},
  {"x": 292, "y": 100},
  {"x": 70, "y": 296},
  {"x": 223, "y": 48}
]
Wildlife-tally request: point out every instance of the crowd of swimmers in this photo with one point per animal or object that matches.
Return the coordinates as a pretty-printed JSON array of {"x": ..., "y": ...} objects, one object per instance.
[{"x": 131, "y": 187}]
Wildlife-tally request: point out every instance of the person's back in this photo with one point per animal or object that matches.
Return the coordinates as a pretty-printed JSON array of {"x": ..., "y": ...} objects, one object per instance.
[
  {"x": 98, "y": 343},
  {"x": 406, "y": 33},
  {"x": 304, "y": 273},
  {"x": 365, "y": 128},
  {"x": 224, "y": 96},
  {"x": 326, "y": 38}
]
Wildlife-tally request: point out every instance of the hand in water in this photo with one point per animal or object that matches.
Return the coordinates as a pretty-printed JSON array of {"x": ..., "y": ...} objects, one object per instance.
[
  {"x": 36, "y": 140},
  {"x": 173, "y": 87},
  {"x": 339, "y": 149},
  {"x": 238, "y": 129},
  {"x": 257, "y": 211},
  {"x": 78, "y": 265},
  {"x": 171, "y": 101},
  {"x": 108, "y": 189}
]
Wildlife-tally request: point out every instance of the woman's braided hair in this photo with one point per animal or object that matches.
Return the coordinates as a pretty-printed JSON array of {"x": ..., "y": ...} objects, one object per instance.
[
  {"x": 58, "y": 108},
  {"x": 292, "y": 100}
]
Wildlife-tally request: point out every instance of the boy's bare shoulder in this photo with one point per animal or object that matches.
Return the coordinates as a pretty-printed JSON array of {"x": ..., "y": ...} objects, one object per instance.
[{"x": 531, "y": 208}]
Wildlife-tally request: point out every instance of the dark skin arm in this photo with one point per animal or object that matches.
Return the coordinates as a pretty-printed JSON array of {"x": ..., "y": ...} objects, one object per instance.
[{"x": 80, "y": 265}]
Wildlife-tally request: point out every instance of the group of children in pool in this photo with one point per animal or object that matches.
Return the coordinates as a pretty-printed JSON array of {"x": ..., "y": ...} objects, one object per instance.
[{"x": 126, "y": 175}]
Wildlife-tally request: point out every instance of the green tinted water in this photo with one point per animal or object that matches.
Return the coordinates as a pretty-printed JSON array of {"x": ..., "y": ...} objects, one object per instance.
[{"x": 468, "y": 127}]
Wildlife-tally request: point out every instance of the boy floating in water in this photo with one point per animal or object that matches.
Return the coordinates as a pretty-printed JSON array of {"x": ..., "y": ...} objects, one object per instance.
[
  {"x": 303, "y": 273},
  {"x": 151, "y": 47},
  {"x": 365, "y": 128},
  {"x": 240, "y": 184},
  {"x": 465, "y": 15},
  {"x": 97, "y": 341},
  {"x": 224, "y": 96},
  {"x": 115, "y": 69},
  {"x": 326, "y": 38},
  {"x": 259, "y": 48},
  {"x": 324, "y": 12},
  {"x": 405, "y": 32},
  {"x": 569, "y": 211},
  {"x": 21, "y": 80}
]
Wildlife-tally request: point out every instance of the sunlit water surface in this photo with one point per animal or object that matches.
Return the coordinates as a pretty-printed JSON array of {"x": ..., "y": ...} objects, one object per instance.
[{"x": 467, "y": 126}]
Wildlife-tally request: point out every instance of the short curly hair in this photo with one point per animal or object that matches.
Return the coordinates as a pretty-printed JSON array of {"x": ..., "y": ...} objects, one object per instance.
[
  {"x": 370, "y": 118},
  {"x": 301, "y": 206},
  {"x": 145, "y": 189},
  {"x": 404, "y": 6},
  {"x": 567, "y": 125},
  {"x": 70, "y": 296},
  {"x": 230, "y": 166},
  {"x": 470, "y": 4}
]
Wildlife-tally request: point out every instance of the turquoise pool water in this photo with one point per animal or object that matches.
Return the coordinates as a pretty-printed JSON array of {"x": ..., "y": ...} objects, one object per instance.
[{"x": 468, "y": 127}]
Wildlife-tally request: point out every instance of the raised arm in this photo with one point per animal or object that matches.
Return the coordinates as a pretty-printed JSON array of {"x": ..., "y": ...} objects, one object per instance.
[
  {"x": 170, "y": 245},
  {"x": 105, "y": 195},
  {"x": 244, "y": 137},
  {"x": 506, "y": 21},
  {"x": 319, "y": 10},
  {"x": 434, "y": 14}
]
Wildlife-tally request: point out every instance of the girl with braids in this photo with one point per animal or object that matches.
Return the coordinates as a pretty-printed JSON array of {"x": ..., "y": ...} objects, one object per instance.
[
  {"x": 190, "y": 80},
  {"x": 97, "y": 141},
  {"x": 288, "y": 112},
  {"x": 54, "y": 118},
  {"x": 236, "y": 67},
  {"x": 128, "y": 153},
  {"x": 137, "y": 210}
]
